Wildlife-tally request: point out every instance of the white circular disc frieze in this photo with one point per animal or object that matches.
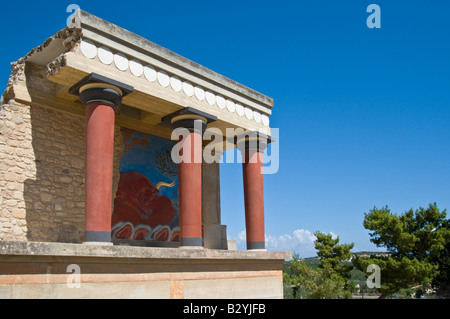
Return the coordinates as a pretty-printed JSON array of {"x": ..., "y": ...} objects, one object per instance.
[
  {"x": 163, "y": 79},
  {"x": 220, "y": 101},
  {"x": 240, "y": 109},
  {"x": 199, "y": 93},
  {"x": 121, "y": 61},
  {"x": 257, "y": 117},
  {"x": 265, "y": 120},
  {"x": 136, "y": 68},
  {"x": 210, "y": 98},
  {"x": 188, "y": 89},
  {"x": 105, "y": 55},
  {"x": 231, "y": 106},
  {"x": 88, "y": 49},
  {"x": 176, "y": 84},
  {"x": 150, "y": 73},
  {"x": 248, "y": 113}
]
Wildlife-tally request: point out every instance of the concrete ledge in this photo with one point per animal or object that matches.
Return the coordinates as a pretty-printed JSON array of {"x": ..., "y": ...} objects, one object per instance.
[
  {"x": 79, "y": 250},
  {"x": 30, "y": 270}
]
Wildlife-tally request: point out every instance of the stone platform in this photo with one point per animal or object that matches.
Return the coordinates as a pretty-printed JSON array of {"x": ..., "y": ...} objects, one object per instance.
[{"x": 30, "y": 270}]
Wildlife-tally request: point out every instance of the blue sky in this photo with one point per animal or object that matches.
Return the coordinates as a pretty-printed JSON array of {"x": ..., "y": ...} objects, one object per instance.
[{"x": 363, "y": 113}]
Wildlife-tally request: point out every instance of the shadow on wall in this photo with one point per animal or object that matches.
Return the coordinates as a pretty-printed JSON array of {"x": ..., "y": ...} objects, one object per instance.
[{"x": 55, "y": 198}]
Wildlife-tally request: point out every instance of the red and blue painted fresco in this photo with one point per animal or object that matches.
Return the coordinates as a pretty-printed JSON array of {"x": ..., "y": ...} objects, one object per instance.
[{"x": 146, "y": 202}]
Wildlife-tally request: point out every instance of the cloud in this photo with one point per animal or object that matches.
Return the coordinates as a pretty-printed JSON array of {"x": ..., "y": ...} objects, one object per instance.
[
  {"x": 333, "y": 235},
  {"x": 301, "y": 241}
]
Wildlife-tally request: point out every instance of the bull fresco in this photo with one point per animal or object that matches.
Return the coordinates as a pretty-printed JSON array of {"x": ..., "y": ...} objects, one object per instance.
[{"x": 146, "y": 202}]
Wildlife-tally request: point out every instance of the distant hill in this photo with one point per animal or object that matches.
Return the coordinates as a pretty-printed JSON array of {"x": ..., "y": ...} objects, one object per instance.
[
  {"x": 315, "y": 261},
  {"x": 357, "y": 275},
  {"x": 372, "y": 253}
]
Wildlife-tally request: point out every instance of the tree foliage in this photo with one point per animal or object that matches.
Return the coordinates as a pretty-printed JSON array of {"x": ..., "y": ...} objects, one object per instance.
[
  {"x": 313, "y": 283},
  {"x": 442, "y": 281},
  {"x": 332, "y": 254},
  {"x": 418, "y": 254},
  {"x": 330, "y": 279},
  {"x": 414, "y": 239}
]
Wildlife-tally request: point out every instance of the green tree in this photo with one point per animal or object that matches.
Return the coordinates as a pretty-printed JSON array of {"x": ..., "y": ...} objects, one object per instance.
[
  {"x": 442, "y": 281},
  {"x": 332, "y": 254},
  {"x": 333, "y": 257},
  {"x": 306, "y": 282},
  {"x": 413, "y": 239},
  {"x": 330, "y": 280}
]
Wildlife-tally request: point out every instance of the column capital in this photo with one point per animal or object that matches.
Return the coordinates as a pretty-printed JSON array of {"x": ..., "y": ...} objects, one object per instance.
[
  {"x": 252, "y": 141},
  {"x": 97, "y": 88},
  {"x": 187, "y": 118}
]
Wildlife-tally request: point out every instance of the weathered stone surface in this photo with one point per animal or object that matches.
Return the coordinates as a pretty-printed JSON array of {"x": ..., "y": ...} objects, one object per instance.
[{"x": 82, "y": 250}]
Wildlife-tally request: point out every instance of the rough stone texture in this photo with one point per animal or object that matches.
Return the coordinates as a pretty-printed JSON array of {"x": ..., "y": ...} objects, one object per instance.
[
  {"x": 42, "y": 158},
  {"x": 17, "y": 165},
  {"x": 48, "y": 54}
]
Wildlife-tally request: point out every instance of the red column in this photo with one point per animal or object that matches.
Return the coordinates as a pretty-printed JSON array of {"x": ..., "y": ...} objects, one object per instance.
[
  {"x": 100, "y": 97},
  {"x": 190, "y": 192},
  {"x": 254, "y": 199},
  {"x": 99, "y": 171},
  {"x": 190, "y": 124},
  {"x": 252, "y": 146}
]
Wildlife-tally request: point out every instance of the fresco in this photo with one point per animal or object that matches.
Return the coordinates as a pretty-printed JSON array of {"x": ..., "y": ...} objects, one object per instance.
[{"x": 146, "y": 202}]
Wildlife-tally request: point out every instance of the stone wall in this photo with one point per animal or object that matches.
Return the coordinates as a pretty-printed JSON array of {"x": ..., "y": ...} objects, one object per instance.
[
  {"x": 17, "y": 164},
  {"x": 42, "y": 158}
]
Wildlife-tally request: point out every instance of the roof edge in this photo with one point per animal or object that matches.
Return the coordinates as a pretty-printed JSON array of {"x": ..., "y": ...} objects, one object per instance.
[{"x": 89, "y": 21}]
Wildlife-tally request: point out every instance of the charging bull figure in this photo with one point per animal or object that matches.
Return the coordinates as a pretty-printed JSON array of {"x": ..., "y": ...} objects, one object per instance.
[{"x": 137, "y": 202}]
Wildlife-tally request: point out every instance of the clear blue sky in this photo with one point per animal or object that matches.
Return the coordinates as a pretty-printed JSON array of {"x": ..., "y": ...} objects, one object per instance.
[{"x": 364, "y": 114}]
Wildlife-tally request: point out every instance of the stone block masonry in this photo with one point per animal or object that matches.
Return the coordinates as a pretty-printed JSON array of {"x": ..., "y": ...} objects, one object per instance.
[
  {"x": 42, "y": 160},
  {"x": 17, "y": 164}
]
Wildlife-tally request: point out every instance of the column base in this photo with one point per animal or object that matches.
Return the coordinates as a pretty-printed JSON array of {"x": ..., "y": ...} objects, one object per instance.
[
  {"x": 256, "y": 245},
  {"x": 191, "y": 242},
  {"x": 98, "y": 237}
]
